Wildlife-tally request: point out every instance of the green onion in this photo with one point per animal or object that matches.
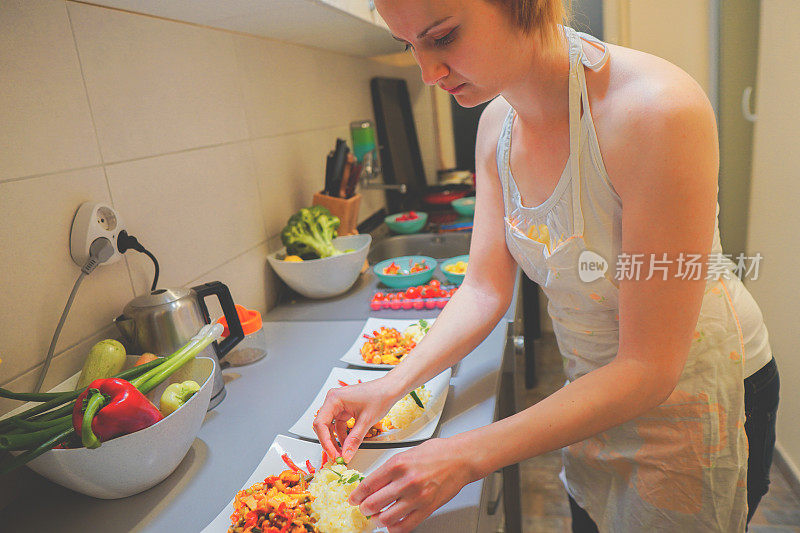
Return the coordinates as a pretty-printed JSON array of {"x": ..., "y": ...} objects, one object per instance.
[
  {"x": 24, "y": 441},
  {"x": 30, "y": 455},
  {"x": 340, "y": 460},
  {"x": 41, "y": 424},
  {"x": 32, "y": 396},
  {"x": 414, "y": 397}
]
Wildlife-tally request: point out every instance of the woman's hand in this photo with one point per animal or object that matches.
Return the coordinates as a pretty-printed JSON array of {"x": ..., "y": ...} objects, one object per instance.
[
  {"x": 366, "y": 402},
  {"x": 411, "y": 485}
]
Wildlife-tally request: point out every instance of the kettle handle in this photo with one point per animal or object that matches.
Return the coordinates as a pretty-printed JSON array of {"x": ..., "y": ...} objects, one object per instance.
[{"x": 220, "y": 290}]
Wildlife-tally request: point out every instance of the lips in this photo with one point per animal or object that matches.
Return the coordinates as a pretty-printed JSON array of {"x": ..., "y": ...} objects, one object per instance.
[{"x": 453, "y": 90}]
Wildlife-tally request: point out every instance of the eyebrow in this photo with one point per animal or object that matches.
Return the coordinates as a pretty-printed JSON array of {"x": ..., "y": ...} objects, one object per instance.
[{"x": 425, "y": 31}]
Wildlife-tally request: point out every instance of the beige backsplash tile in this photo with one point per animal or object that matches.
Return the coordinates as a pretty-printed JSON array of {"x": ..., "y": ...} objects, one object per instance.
[
  {"x": 38, "y": 272},
  {"x": 193, "y": 210},
  {"x": 251, "y": 282},
  {"x": 289, "y": 170},
  {"x": 157, "y": 86},
  {"x": 46, "y": 124}
]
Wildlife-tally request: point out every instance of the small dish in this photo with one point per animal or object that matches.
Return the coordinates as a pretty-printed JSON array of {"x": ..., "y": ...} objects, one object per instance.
[
  {"x": 353, "y": 355},
  {"x": 406, "y": 226},
  {"x": 404, "y": 279},
  {"x": 365, "y": 461},
  {"x": 464, "y": 206},
  {"x": 420, "y": 429},
  {"x": 452, "y": 276}
]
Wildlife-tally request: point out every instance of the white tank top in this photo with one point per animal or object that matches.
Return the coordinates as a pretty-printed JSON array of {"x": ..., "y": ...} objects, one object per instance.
[{"x": 601, "y": 209}]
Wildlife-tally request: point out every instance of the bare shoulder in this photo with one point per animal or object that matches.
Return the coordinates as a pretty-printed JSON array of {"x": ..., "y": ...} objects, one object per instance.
[
  {"x": 645, "y": 111},
  {"x": 489, "y": 126}
]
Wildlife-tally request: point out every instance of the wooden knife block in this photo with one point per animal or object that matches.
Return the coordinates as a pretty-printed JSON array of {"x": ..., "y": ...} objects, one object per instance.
[{"x": 345, "y": 209}]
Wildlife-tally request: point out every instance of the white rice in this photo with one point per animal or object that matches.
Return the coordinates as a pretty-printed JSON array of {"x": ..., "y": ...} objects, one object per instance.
[
  {"x": 404, "y": 412},
  {"x": 330, "y": 507}
]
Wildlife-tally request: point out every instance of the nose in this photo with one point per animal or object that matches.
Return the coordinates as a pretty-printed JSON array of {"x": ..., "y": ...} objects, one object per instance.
[{"x": 432, "y": 68}]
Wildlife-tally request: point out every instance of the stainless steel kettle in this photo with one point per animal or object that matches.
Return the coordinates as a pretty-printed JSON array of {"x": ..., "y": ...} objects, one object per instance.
[{"x": 163, "y": 320}]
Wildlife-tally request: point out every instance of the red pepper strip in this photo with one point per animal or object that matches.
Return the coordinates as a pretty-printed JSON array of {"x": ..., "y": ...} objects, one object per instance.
[
  {"x": 324, "y": 459},
  {"x": 310, "y": 467},
  {"x": 128, "y": 410},
  {"x": 291, "y": 464},
  {"x": 342, "y": 383}
]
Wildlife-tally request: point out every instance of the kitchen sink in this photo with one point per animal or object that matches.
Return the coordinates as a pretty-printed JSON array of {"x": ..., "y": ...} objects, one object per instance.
[{"x": 436, "y": 245}]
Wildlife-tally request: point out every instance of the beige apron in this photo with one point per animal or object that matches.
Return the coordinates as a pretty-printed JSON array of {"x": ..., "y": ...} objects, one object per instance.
[{"x": 681, "y": 466}]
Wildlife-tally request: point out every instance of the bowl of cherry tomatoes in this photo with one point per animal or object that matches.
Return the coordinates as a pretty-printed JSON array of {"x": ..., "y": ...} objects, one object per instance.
[
  {"x": 408, "y": 222},
  {"x": 405, "y": 271},
  {"x": 431, "y": 295}
]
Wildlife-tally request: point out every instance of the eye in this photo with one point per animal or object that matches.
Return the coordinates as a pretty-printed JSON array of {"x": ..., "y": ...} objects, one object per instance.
[
  {"x": 408, "y": 47},
  {"x": 447, "y": 39}
]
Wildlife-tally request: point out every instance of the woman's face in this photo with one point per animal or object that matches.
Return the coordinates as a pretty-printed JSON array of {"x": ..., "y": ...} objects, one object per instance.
[{"x": 468, "y": 47}]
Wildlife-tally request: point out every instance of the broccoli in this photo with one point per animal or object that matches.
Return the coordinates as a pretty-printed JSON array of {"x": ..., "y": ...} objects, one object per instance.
[{"x": 309, "y": 233}]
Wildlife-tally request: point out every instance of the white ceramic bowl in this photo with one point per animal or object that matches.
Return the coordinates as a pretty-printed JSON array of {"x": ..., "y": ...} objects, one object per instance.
[
  {"x": 133, "y": 463},
  {"x": 328, "y": 277}
]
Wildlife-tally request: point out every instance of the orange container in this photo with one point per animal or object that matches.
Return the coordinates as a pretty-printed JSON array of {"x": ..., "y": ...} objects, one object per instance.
[{"x": 253, "y": 346}]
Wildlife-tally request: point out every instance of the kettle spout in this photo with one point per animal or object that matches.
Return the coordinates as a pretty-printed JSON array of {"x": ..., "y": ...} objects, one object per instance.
[{"x": 127, "y": 327}]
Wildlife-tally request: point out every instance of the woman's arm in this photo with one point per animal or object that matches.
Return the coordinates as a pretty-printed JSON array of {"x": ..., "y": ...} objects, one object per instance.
[
  {"x": 465, "y": 321},
  {"x": 666, "y": 177}
]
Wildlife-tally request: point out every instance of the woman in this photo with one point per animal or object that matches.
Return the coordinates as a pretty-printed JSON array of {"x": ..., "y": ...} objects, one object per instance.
[{"x": 614, "y": 154}]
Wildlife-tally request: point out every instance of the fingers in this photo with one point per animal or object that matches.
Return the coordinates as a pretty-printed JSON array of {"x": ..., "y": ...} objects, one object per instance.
[
  {"x": 381, "y": 499},
  {"x": 323, "y": 426},
  {"x": 341, "y": 431},
  {"x": 394, "y": 514},
  {"x": 384, "y": 475},
  {"x": 356, "y": 436},
  {"x": 412, "y": 520}
]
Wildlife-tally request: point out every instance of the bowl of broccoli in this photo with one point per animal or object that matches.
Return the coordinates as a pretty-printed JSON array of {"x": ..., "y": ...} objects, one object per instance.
[{"x": 314, "y": 261}]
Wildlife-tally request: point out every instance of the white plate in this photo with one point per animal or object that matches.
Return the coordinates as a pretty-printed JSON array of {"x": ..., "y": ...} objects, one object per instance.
[
  {"x": 420, "y": 429},
  {"x": 353, "y": 355},
  {"x": 365, "y": 461}
]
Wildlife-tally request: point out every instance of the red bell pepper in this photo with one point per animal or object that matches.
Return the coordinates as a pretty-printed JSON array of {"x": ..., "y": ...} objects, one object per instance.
[{"x": 115, "y": 407}]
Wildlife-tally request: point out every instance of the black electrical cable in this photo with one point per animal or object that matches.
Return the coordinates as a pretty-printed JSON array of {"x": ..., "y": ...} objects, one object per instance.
[
  {"x": 127, "y": 242},
  {"x": 155, "y": 265}
]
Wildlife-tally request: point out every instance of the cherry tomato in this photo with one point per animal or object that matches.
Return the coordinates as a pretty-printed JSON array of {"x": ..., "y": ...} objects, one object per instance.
[
  {"x": 375, "y": 305},
  {"x": 399, "y": 296},
  {"x": 430, "y": 303},
  {"x": 429, "y": 292},
  {"x": 434, "y": 283},
  {"x": 379, "y": 296},
  {"x": 441, "y": 302},
  {"x": 408, "y": 304},
  {"x": 419, "y": 304},
  {"x": 412, "y": 292},
  {"x": 390, "y": 297}
]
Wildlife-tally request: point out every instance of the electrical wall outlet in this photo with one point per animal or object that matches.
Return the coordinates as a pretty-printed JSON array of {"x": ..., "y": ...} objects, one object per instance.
[{"x": 92, "y": 221}]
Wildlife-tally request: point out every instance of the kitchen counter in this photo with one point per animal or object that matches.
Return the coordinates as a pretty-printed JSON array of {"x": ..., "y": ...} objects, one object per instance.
[{"x": 263, "y": 400}]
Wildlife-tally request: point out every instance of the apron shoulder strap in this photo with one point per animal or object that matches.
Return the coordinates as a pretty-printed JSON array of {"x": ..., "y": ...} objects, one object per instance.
[{"x": 503, "y": 157}]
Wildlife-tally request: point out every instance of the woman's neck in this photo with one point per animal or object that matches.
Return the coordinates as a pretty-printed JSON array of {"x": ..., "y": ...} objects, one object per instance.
[{"x": 540, "y": 92}]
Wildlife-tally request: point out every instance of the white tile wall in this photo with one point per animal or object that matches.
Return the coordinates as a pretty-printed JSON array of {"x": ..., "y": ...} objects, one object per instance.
[
  {"x": 38, "y": 272},
  {"x": 46, "y": 124},
  {"x": 156, "y": 86},
  {"x": 204, "y": 140},
  {"x": 189, "y": 209}
]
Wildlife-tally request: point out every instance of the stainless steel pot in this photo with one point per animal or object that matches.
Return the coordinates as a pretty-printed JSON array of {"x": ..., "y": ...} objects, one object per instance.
[{"x": 163, "y": 320}]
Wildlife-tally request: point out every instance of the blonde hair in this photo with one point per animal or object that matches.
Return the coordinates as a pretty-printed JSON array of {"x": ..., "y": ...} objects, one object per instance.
[{"x": 539, "y": 16}]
